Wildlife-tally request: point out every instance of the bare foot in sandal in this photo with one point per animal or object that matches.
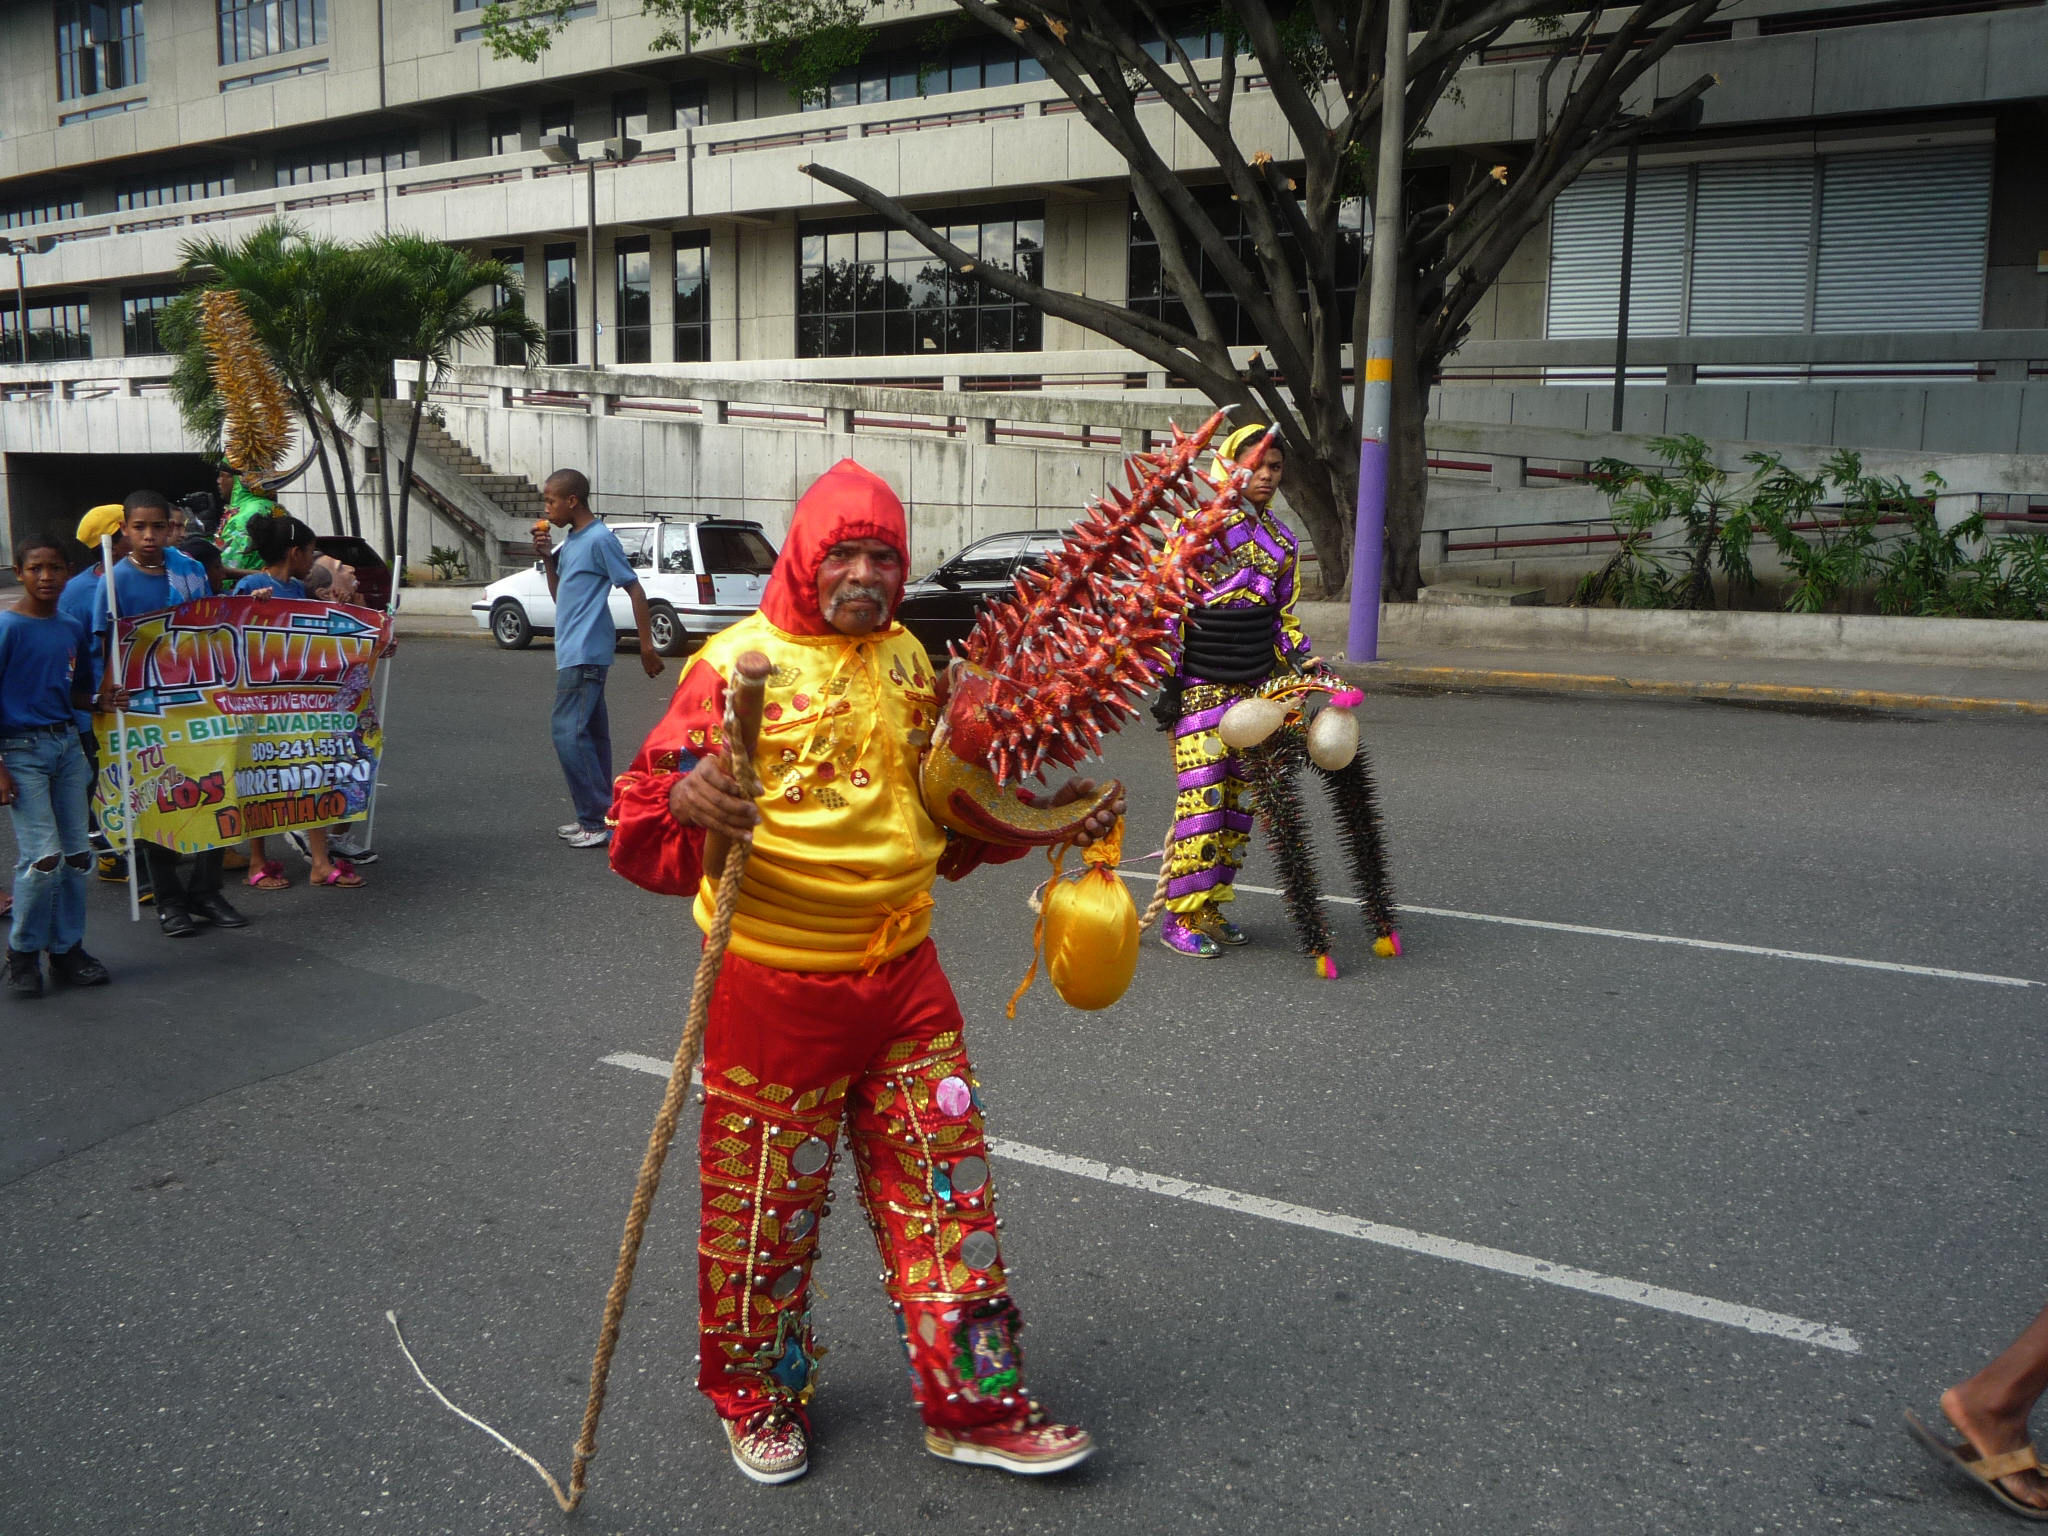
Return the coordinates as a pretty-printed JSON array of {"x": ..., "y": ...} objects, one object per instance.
[{"x": 1990, "y": 1410}]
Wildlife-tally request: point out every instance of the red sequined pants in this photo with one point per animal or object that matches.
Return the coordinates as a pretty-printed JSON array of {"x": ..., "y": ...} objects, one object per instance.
[{"x": 790, "y": 1056}]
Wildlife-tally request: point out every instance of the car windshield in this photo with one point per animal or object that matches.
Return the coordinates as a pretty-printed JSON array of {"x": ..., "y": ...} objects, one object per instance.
[
  {"x": 735, "y": 551},
  {"x": 638, "y": 543},
  {"x": 990, "y": 560}
]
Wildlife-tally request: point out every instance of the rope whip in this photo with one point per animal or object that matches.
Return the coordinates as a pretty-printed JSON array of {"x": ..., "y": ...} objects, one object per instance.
[{"x": 725, "y": 862}]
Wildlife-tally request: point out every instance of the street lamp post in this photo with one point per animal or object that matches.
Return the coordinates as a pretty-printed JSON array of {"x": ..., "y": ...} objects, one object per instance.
[
  {"x": 561, "y": 148},
  {"x": 41, "y": 245}
]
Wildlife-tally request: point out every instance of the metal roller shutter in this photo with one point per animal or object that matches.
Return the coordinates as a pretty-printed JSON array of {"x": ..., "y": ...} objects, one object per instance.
[
  {"x": 1752, "y": 248},
  {"x": 1902, "y": 240},
  {"x": 1585, "y": 254}
]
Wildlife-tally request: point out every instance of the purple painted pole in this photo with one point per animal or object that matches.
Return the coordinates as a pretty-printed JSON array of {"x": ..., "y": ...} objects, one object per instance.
[
  {"x": 1368, "y": 551},
  {"x": 1376, "y": 368}
]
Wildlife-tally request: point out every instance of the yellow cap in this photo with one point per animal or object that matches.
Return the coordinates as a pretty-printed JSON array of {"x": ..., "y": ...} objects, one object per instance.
[
  {"x": 98, "y": 523},
  {"x": 1221, "y": 467}
]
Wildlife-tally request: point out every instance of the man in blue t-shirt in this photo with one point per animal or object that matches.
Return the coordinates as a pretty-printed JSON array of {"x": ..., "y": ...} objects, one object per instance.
[
  {"x": 154, "y": 577},
  {"x": 581, "y": 575}
]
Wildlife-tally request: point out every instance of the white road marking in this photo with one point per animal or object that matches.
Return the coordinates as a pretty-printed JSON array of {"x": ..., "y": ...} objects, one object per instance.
[
  {"x": 1939, "y": 973},
  {"x": 1638, "y": 1293}
]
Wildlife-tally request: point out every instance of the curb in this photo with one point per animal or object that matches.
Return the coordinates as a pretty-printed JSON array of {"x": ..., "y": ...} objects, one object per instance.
[{"x": 1833, "y": 700}]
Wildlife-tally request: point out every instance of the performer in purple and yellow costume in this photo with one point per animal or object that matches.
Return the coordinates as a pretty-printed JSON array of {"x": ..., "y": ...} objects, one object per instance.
[{"x": 1243, "y": 641}]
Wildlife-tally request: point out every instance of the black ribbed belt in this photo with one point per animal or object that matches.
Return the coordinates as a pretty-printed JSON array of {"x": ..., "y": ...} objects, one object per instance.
[{"x": 1230, "y": 645}]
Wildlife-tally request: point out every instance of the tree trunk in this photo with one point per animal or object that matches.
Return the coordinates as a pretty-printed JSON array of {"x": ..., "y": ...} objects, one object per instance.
[
  {"x": 312, "y": 420},
  {"x": 1407, "y": 458},
  {"x": 344, "y": 450},
  {"x": 412, "y": 443},
  {"x": 390, "y": 550}
]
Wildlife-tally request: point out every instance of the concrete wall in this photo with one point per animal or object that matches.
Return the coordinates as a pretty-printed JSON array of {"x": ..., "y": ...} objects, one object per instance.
[{"x": 956, "y": 491}]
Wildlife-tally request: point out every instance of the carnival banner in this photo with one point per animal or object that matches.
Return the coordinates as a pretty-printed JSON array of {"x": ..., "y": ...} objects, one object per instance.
[{"x": 246, "y": 716}]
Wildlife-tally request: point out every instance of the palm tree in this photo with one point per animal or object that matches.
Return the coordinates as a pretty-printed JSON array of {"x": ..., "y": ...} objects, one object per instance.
[
  {"x": 447, "y": 299},
  {"x": 314, "y": 303}
]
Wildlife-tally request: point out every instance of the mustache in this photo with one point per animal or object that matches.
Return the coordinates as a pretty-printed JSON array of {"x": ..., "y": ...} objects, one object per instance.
[{"x": 853, "y": 592}]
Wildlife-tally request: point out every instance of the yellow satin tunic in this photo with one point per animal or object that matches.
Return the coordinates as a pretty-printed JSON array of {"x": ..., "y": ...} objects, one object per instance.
[{"x": 844, "y": 859}]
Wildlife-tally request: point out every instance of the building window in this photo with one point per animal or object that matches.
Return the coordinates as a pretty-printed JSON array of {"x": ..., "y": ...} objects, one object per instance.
[
  {"x": 183, "y": 187},
  {"x": 501, "y": 134},
  {"x": 141, "y": 312},
  {"x": 1195, "y": 28},
  {"x": 691, "y": 100},
  {"x": 866, "y": 290},
  {"x": 1149, "y": 294},
  {"x": 693, "y": 298},
  {"x": 1885, "y": 241},
  {"x": 363, "y": 157},
  {"x": 629, "y": 115},
  {"x": 898, "y": 74},
  {"x": 255, "y": 29},
  {"x": 509, "y": 351},
  {"x": 560, "y": 318},
  {"x": 558, "y": 117},
  {"x": 633, "y": 298},
  {"x": 59, "y": 329},
  {"x": 472, "y": 33},
  {"x": 50, "y": 211},
  {"x": 99, "y": 47}
]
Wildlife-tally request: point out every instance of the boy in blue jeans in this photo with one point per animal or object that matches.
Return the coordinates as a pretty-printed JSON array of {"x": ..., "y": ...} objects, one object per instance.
[
  {"x": 581, "y": 575},
  {"x": 43, "y": 777}
]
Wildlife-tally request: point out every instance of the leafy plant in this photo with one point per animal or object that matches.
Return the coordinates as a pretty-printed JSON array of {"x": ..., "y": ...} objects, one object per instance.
[
  {"x": 1677, "y": 526},
  {"x": 447, "y": 563}
]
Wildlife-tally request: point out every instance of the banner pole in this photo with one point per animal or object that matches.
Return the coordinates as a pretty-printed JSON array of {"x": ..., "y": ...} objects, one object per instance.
[
  {"x": 118, "y": 668},
  {"x": 383, "y": 697}
]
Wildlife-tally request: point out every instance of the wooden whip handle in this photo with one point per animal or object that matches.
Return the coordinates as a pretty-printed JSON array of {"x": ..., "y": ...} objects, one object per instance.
[{"x": 749, "y": 683}]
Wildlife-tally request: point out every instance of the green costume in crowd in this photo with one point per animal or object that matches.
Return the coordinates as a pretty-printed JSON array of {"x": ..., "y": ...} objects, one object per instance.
[{"x": 244, "y": 506}]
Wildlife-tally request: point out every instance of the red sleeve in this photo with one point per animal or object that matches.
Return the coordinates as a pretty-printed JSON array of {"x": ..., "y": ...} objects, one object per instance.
[
  {"x": 964, "y": 855},
  {"x": 649, "y": 846}
]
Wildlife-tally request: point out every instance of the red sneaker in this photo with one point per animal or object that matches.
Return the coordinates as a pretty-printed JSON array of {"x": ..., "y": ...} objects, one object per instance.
[
  {"x": 770, "y": 1447},
  {"x": 1031, "y": 1446}
]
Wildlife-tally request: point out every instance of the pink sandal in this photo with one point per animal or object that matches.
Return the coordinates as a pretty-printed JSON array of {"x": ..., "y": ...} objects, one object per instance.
[
  {"x": 342, "y": 874},
  {"x": 268, "y": 876}
]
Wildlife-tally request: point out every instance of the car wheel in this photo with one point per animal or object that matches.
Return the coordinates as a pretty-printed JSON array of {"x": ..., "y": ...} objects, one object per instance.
[
  {"x": 509, "y": 626},
  {"x": 666, "y": 631}
]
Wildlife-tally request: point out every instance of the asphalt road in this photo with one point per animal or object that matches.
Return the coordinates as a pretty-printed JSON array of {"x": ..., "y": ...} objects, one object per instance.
[{"x": 223, "y": 1170}]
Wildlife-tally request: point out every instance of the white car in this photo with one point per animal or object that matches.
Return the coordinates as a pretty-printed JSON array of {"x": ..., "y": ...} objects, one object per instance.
[{"x": 700, "y": 574}]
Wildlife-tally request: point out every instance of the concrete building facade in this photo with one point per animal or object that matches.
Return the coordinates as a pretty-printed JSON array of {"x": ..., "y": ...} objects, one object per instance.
[{"x": 1866, "y": 193}]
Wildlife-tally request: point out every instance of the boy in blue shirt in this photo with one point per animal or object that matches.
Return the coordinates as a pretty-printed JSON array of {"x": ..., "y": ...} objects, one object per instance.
[
  {"x": 581, "y": 576},
  {"x": 154, "y": 577},
  {"x": 44, "y": 662},
  {"x": 83, "y": 599}
]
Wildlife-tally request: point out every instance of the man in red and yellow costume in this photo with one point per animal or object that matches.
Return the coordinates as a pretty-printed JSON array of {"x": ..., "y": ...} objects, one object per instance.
[{"x": 831, "y": 1009}]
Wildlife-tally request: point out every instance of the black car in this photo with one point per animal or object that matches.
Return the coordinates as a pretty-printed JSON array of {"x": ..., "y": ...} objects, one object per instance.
[{"x": 941, "y": 607}]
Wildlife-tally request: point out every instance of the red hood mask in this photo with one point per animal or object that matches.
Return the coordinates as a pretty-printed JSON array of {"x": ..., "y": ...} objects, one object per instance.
[{"x": 846, "y": 502}]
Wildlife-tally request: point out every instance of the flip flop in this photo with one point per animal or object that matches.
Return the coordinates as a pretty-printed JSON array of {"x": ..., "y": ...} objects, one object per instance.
[
  {"x": 268, "y": 876},
  {"x": 342, "y": 874},
  {"x": 1984, "y": 1471}
]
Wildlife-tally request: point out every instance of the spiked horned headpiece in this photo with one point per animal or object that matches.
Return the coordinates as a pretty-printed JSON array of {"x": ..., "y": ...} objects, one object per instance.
[{"x": 1082, "y": 640}]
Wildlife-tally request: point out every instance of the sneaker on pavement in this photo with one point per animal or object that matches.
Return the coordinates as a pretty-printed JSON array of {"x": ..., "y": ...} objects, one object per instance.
[
  {"x": 75, "y": 968},
  {"x": 1030, "y": 1447},
  {"x": 25, "y": 976},
  {"x": 355, "y": 853},
  {"x": 568, "y": 829},
  {"x": 113, "y": 868},
  {"x": 299, "y": 844},
  {"x": 770, "y": 1447},
  {"x": 583, "y": 839}
]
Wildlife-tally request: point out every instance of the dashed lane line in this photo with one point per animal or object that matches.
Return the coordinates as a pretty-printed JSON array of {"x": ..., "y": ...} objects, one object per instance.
[
  {"x": 1727, "y": 1314},
  {"x": 1763, "y": 951}
]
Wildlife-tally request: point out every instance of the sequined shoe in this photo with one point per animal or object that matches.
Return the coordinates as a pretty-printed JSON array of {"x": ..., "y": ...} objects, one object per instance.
[
  {"x": 1182, "y": 937},
  {"x": 770, "y": 1447},
  {"x": 1029, "y": 1448},
  {"x": 1223, "y": 930}
]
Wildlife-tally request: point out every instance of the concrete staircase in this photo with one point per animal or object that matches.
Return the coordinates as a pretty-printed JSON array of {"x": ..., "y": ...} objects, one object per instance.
[{"x": 514, "y": 496}]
